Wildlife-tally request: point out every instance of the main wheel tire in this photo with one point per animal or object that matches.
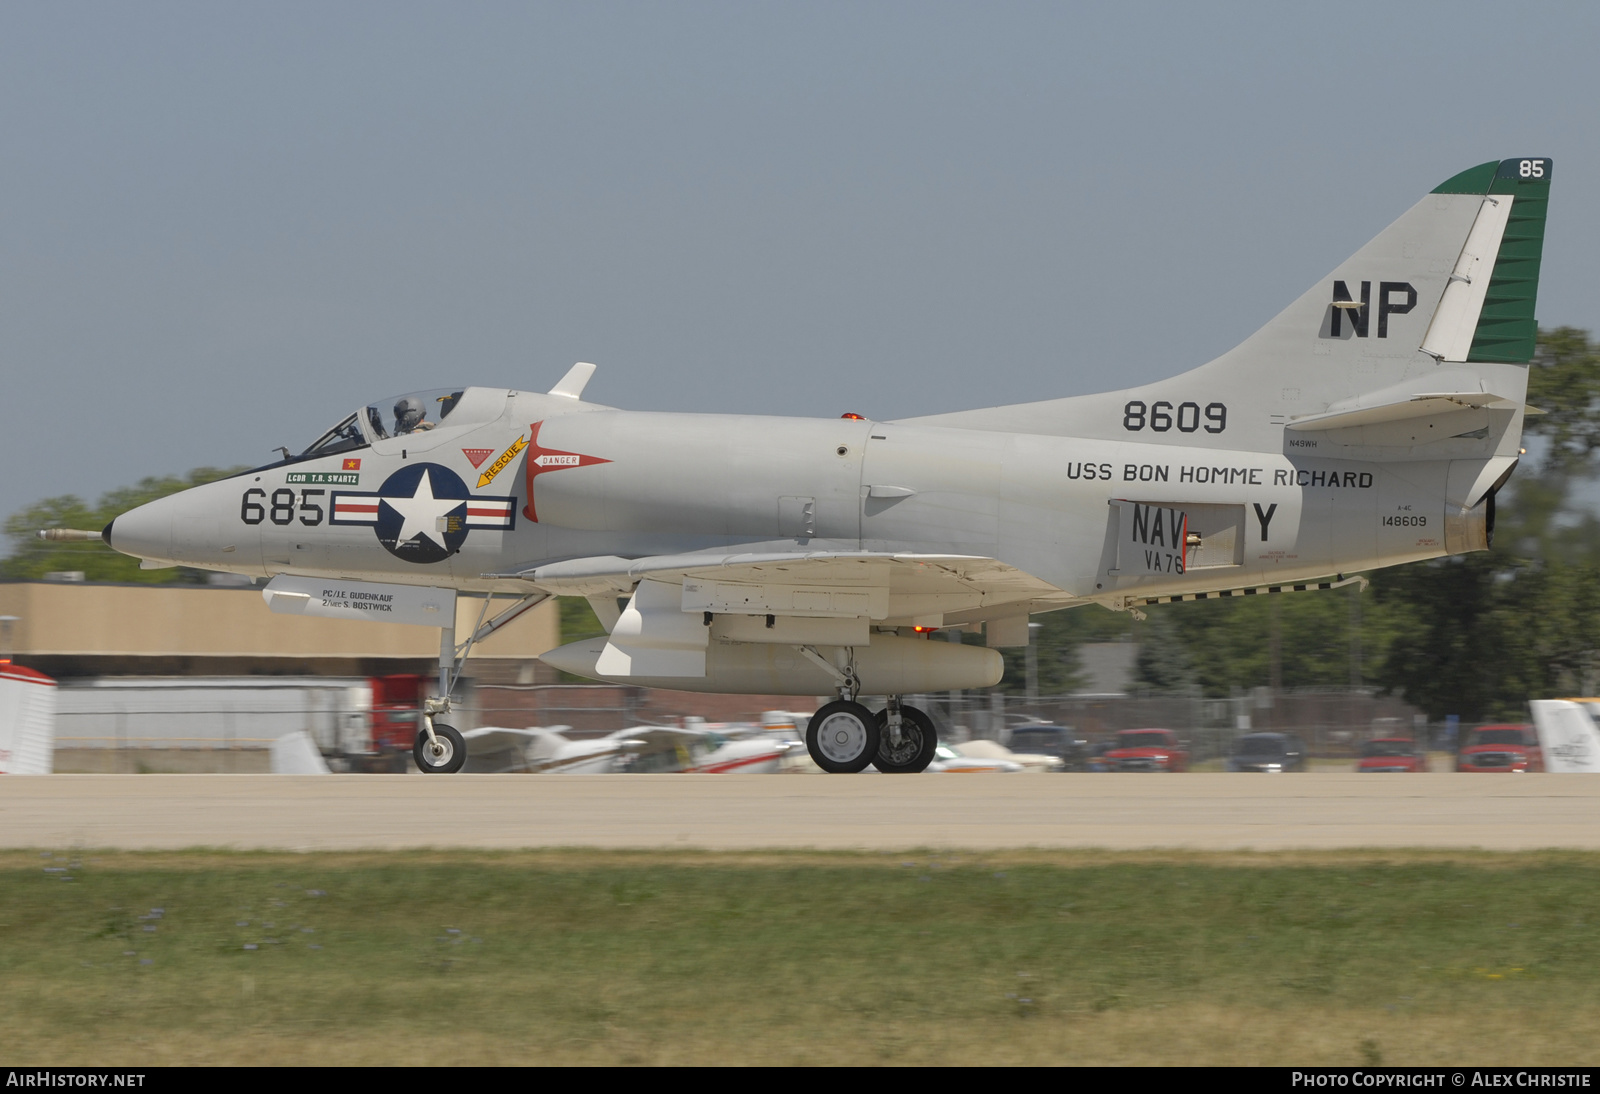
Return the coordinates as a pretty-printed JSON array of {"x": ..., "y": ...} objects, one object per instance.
[
  {"x": 918, "y": 742},
  {"x": 445, "y": 758},
  {"x": 842, "y": 737}
]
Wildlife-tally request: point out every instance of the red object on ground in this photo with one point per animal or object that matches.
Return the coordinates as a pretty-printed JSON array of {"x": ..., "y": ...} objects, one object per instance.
[
  {"x": 1391, "y": 754},
  {"x": 396, "y": 707},
  {"x": 1148, "y": 750},
  {"x": 1504, "y": 748},
  {"x": 21, "y": 672}
]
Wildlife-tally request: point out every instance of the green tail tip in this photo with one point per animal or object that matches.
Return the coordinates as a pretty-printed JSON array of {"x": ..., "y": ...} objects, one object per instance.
[{"x": 1499, "y": 176}]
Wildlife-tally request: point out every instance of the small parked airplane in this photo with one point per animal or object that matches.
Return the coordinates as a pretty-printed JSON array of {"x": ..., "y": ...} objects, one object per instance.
[
  {"x": 1568, "y": 737},
  {"x": 1369, "y": 424},
  {"x": 638, "y": 750}
]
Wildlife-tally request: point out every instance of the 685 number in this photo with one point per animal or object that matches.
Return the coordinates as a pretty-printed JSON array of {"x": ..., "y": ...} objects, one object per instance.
[
  {"x": 256, "y": 507},
  {"x": 1162, "y": 416}
]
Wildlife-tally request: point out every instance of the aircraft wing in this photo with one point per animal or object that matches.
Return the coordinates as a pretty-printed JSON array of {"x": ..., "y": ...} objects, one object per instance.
[{"x": 819, "y": 582}]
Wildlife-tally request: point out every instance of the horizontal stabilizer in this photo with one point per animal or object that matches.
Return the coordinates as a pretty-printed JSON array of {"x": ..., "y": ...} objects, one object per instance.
[{"x": 1415, "y": 406}]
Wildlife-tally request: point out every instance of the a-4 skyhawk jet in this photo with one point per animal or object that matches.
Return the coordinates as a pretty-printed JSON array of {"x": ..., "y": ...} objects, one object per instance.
[{"x": 1369, "y": 424}]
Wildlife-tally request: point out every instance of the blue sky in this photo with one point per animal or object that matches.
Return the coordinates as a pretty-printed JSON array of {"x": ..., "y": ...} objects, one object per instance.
[{"x": 226, "y": 225}]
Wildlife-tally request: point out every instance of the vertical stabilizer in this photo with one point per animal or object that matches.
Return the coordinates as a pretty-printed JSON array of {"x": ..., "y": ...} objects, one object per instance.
[{"x": 1438, "y": 304}]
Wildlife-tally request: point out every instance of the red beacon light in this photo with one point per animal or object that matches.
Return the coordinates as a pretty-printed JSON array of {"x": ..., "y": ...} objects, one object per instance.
[{"x": 854, "y": 417}]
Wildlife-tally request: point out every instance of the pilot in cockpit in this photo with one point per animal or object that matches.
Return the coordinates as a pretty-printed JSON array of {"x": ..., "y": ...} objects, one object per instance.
[{"x": 409, "y": 415}]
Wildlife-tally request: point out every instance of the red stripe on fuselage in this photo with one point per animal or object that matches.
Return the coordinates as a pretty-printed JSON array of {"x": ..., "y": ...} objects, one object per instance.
[{"x": 729, "y": 765}]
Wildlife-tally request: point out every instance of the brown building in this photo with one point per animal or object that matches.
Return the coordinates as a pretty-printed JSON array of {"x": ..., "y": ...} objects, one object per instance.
[{"x": 77, "y": 630}]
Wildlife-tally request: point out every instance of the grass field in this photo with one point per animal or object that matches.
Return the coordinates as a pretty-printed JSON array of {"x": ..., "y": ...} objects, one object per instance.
[{"x": 605, "y": 957}]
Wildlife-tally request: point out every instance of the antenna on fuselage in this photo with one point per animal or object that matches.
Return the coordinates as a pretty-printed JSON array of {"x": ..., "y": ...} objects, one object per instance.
[{"x": 572, "y": 384}]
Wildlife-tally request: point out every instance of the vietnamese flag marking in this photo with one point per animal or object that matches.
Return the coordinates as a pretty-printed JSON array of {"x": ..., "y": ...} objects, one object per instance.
[
  {"x": 542, "y": 459},
  {"x": 352, "y": 465}
]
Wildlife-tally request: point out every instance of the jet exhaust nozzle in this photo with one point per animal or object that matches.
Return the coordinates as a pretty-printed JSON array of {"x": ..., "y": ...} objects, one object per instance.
[{"x": 1467, "y": 530}]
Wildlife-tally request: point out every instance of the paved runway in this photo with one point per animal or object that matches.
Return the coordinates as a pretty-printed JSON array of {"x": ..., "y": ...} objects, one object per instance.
[{"x": 348, "y": 812}]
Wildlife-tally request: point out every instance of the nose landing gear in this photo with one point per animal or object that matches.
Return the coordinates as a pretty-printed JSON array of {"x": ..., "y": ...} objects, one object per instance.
[
  {"x": 441, "y": 752},
  {"x": 440, "y": 749}
]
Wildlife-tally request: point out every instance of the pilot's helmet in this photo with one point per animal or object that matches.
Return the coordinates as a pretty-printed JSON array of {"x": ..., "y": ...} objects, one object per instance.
[{"x": 408, "y": 414}]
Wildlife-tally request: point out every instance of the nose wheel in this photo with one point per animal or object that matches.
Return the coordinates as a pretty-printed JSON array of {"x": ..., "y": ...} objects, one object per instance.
[
  {"x": 842, "y": 737},
  {"x": 444, "y": 754}
]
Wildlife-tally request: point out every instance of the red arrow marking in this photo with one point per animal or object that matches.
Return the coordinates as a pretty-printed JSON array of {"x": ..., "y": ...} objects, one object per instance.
[{"x": 542, "y": 459}]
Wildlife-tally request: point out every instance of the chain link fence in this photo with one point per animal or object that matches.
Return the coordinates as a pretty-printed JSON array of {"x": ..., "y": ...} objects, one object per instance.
[{"x": 1331, "y": 721}]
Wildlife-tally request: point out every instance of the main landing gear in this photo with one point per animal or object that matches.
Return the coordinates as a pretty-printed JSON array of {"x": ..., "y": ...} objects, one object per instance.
[
  {"x": 845, "y": 737},
  {"x": 907, "y": 748}
]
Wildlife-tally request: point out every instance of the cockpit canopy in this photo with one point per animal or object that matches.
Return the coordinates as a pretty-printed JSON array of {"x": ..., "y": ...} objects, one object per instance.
[
  {"x": 341, "y": 438},
  {"x": 413, "y": 412}
]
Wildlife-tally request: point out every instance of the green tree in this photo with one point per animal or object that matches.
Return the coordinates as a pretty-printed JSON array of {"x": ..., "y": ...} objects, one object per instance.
[
  {"x": 578, "y": 619},
  {"x": 1564, "y": 382},
  {"x": 1164, "y": 663},
  {"x": 31, "y": 557},
  {"x": 1056, "y": 637},
  {"x": 1438, "y": 660},
  {"x": 1230, "y": 641}
]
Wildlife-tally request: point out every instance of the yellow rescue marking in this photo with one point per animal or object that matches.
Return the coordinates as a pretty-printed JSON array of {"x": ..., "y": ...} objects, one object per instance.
[{"x": 503, "y": 462}]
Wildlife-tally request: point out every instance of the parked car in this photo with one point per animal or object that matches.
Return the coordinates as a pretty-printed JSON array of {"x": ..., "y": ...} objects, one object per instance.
[
  {"x": 1391, "y": 754},
  {"x": 1062, "y": 742},
  {"x": 1147, "y": 750},
  {"x": 1513, "y": 748},
  {"x": 1271, "y": 752}
]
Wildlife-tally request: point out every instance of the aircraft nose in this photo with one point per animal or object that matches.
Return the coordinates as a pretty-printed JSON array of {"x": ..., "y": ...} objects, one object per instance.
[{"x": 145, "y": 532}]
